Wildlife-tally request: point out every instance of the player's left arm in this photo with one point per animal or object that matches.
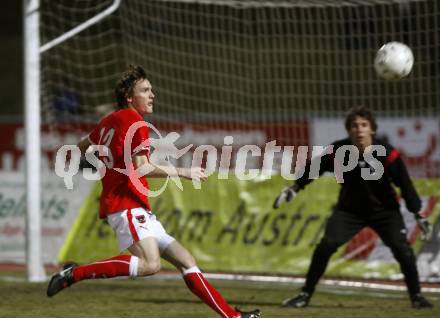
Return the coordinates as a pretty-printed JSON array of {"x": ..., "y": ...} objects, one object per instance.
[
  {"x": 147, "y": 168},
  {"x": 399, "y": 174}
]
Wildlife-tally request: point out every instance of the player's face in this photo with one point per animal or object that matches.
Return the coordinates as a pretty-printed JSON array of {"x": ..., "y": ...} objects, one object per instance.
[
  {"x": 142, "y": 97},
  {"x": 361, "y": 133}
]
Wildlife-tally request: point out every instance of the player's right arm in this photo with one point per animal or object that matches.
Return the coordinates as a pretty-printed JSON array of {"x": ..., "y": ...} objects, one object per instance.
[
  {"x": 325, "y": 163},
  {"x": 147, "y": 168},
  {"x": 83, "y": 145}
]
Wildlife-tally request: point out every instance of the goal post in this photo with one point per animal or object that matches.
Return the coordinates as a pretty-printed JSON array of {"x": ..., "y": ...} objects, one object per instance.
[
  {"x": 31, "y": 41},
  {"x": 32, "y": 99}
]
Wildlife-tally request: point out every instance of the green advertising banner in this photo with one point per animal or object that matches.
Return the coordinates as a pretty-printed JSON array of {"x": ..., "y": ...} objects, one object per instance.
[{"x": 229, "y": 225}]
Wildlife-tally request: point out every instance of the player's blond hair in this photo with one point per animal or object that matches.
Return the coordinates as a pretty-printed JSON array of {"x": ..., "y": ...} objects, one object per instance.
[{"x": 125, "y": 85}]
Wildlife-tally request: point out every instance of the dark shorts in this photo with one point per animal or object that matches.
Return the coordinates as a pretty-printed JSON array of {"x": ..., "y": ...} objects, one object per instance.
[{"x": 389, "y": 225}]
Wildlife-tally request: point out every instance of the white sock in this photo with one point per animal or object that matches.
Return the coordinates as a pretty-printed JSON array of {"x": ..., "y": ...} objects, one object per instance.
[
  {"x": 134, "y": 264},
  {"x": 193, "y": 269}
]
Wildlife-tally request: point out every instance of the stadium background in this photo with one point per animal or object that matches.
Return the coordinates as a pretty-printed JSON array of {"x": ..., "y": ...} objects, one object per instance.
[{"x": 293, "y": 100}]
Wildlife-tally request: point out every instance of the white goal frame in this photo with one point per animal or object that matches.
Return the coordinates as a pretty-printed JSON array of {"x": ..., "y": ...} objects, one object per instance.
[{"x": 32, "y": 109}]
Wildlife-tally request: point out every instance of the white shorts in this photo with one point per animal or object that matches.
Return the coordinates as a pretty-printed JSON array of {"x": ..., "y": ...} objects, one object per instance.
[{"x": 134, "y": 225}]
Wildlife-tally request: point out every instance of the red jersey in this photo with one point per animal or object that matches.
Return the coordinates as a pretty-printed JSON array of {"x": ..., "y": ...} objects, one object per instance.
[{"x": 118, "y": 192}]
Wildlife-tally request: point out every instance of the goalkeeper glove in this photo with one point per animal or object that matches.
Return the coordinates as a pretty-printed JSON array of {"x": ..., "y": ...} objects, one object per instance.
[
  {"x": 286, "y": 195},
  {"x": 424, "y": 226}
]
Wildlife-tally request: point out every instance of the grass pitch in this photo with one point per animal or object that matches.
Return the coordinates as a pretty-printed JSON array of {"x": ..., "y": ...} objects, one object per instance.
[{"x": 156, "y": 298}]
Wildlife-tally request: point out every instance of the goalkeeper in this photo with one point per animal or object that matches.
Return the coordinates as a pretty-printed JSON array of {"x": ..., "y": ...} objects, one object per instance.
[{"x": 363, "y": 203}]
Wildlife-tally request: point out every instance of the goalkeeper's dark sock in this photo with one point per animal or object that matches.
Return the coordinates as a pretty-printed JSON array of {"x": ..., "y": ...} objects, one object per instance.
[
  {"x": 208, "y": 294},
  {"x": 121, "y": 265},
  {"x": 308, "y": 290}
]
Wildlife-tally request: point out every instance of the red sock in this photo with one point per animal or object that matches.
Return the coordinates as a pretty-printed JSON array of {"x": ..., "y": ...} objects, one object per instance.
[
  {"x": 208, "y": 294},
  {"x": 112, "y": 267}
]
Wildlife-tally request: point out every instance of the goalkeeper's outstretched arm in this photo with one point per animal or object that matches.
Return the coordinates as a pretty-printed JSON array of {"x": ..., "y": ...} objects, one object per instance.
[
  {"x": 400, "y": 177},
  {"x": 399, "y": 174},
  {"x": 324, "y": 163}
]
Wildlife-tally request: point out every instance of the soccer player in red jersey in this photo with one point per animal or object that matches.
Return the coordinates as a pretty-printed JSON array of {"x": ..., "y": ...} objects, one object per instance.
[{"x": 124, "y": 203}]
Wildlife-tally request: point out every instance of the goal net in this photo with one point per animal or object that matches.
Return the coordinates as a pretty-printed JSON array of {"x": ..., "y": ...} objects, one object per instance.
[
  {"x": 284, "y": 70},
  {"x": 237, "y": 65}
]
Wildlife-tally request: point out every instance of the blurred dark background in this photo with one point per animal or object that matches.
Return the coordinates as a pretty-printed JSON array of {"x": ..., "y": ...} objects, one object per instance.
[{"x": 11, "y": 75}]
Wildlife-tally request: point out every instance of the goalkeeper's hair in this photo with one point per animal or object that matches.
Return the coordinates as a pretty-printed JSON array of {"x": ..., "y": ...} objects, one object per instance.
[
  {"x": 360, "y": 111},
  {"x": 125, "y": 85}
]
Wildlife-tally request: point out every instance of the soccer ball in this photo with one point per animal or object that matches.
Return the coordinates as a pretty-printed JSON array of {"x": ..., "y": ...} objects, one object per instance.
[{"x": 394, "y": 60}]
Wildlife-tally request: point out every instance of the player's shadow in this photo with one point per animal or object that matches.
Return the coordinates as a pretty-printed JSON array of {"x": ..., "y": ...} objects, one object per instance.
[
  {"x": 151, "y": 300},
  {"x": 336, "y": 306},
  {"x": 197, "y": 301},
  {"x": 240, "y": 304}
]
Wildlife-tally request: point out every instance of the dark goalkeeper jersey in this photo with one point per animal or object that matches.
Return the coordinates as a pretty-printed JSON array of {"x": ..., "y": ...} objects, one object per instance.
[{"x": 361, "y": 196}]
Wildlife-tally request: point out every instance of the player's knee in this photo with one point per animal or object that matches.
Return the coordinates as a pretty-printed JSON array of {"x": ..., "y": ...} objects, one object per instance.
[
  {"x": 147, "y": 268},
  {"x": 329, "y": 245},
  {"x": 401, "y": 250}
]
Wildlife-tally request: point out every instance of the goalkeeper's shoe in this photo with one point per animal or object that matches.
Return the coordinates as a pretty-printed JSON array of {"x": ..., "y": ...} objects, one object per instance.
[
  {"x": 300, "y": 301},
  {"x": 418, "y": 301},
  {"x": 60, "y": 280},
  {"x": 248, "y": 314}
]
